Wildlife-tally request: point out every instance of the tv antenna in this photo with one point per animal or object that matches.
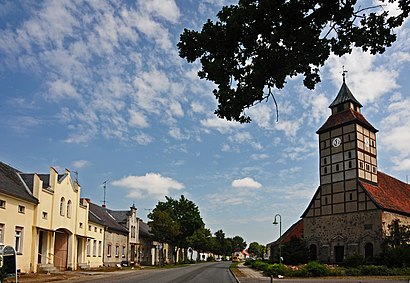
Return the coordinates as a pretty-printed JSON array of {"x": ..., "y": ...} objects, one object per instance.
[
  {"x": 76, "y": 176},
  {"x": 105, "y": 191}
]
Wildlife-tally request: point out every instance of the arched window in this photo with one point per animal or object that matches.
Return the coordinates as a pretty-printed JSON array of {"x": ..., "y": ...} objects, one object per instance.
[
  {"x": 62, "y": 206},
  {"x": 69, "y": 209},
  {"x": 312, "y": 252},
  {"x": 368, "y": 250}
]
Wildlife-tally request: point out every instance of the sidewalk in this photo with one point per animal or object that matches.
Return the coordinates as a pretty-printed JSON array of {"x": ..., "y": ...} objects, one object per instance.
[{"x": 250, "y": 275}]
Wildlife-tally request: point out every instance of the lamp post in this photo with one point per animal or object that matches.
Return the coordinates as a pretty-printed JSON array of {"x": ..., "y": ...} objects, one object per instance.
[{"x": 275, "y": 222}]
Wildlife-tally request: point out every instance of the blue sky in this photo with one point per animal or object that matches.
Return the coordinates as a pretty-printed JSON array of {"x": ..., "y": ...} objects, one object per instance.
[{"x": 98, "y": 88}]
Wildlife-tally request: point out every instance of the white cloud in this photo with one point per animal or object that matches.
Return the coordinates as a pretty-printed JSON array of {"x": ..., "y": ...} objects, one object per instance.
[
  {"x": 167, "y": 9},
  {"x": 79, "y": 164},
  {"x": 259, "y": 156},
  {"x": 246, "y": 183},
  {"x": 394, "y": 134},
  {"x": 137, "y": 118},
  {"x": 62, "y": 90},
  {"x": 143, "y": 139},
  {"x": 221, "y": 125},
  {"x": 367, "y": 81},
  {"x": 153, "y": 185}
]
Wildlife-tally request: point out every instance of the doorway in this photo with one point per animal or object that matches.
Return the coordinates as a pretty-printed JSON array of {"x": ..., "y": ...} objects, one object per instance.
[
  {"x": 61, "y": 250},
  {"x": 339, "y": 253}
]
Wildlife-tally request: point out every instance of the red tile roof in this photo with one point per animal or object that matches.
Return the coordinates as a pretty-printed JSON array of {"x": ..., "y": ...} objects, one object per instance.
[
  {"x": 343, "y": 118},
  {"x": 390, "y": 194},
  {"x": 296, "y": 230}
]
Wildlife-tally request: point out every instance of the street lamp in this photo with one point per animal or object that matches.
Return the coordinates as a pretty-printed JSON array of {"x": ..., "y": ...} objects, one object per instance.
[{"x": 275, "y": 222}]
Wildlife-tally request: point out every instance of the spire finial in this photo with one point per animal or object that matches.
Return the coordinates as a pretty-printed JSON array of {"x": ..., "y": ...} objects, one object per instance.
[{"x": 344, "y": 73}]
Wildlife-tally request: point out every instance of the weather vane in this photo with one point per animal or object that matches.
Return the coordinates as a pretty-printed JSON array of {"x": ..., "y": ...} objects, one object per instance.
[{"x": 344, "y": 73}]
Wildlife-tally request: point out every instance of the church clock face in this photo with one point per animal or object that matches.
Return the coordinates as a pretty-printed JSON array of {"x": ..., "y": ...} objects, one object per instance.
[{"x": 336, "y": 142}]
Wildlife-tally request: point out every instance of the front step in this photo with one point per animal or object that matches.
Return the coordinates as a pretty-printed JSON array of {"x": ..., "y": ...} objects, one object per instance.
[{"x": 46, "y": 268}]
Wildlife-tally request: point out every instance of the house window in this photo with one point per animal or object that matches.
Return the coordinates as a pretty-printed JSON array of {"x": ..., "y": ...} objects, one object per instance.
[
  {"x": 374, "y": 169},
  {"x": 69, "y": 209},
  {"x": 18, "y": 243},
  {"x": 350, "y": 164},
  {"x": 100, "y": 231},
  {"x": 81, "y": 224},
  {"x": 349, "y": 154},
  {"x": 88, "y": 247},
  {"x": 2, "y": 203},
  {"x": 337, "y": 167},
  {"x": 117, "y": 250},
  {"x": 123, "y": 251},
  {"x": 62, "y": 206},
  {"x": 325, "y": 160},
  {"x": 350, "y": 196},
  {"x": 1, "y": 233},
  {"x": 361, "y": 164},
  {"x": 95, "y": 229},
  {"x": 95, "y": 248},
  {"x": 99, "y": 248},
  {"x": 109, "y": 250},
  {"x": 89, "y": 227},
  {"x": 325, "y": 170},
  {"x": 21, "y": 209},
  {"x": 45, "y": 215},
  {"x": 367, "y": 167}
]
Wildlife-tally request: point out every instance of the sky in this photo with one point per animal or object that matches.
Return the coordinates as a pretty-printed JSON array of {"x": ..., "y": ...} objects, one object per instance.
[{"x": 97, "y": 87}]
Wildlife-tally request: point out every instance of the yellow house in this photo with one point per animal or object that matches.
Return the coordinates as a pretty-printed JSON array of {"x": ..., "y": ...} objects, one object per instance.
[
  {"x": 44, "y": 218},
  {"x": 59, "y": 223},
  {"x": 95, "y": 241},
  {"x": 17, "y": 206}
]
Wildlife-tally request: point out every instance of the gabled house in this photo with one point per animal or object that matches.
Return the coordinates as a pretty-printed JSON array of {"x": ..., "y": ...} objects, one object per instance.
[
  {"x": 128, "y": 219},
  {"x": 115, "y": 250},
  {"x": 43, "y": 217},
  {"x": 355, "y": 202}
]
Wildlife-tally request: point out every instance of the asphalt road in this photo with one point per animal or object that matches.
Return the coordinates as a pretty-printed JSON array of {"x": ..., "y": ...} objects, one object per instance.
[{"x": 217, "y": 272}]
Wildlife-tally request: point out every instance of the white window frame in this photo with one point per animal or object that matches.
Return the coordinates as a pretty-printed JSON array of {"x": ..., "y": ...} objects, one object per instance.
[
  {"x": 88, "y": 248},
  {"x": 18, "y": 239},
  {"x": 1, "y": 233}
]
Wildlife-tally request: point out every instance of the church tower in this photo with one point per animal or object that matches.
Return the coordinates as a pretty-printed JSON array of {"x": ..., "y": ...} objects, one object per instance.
[
  {"x": 347, "y": 150},
  {"x": 350, "y": 211}
]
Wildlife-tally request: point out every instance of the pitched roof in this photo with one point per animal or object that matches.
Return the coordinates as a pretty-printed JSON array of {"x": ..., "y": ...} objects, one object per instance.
[
  {"x": 296, "y": 230},
  {"x": 144, "y": 230},
  {"x": 346, "y": 117},
  {"x": 11, "y": 184},
  {"x": 344, "y": 95},
  {"x": 106, "y": 218},
  {"x": 389, "y": 193}
]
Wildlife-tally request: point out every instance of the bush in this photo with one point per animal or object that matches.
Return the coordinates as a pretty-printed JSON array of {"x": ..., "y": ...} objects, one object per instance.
[
  {"x": 276, "y": 269},
  {"x": 313, "y": 269},
  {"x": 354, "y": 260}
]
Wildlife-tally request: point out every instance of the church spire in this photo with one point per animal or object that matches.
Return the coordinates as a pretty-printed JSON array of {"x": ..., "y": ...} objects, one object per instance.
[{"x": 344, "y": 99}]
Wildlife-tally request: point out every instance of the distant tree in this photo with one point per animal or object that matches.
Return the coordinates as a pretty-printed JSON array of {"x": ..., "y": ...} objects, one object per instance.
[
  {"x": 295, "y": 251},
  {"x": 256, "y": 249},
  {"x": 181, "y": 215},
  {"x": 238, "y": 244},
  {"x": 257, "y": 45},
  {"x": 201, "y": 240}
]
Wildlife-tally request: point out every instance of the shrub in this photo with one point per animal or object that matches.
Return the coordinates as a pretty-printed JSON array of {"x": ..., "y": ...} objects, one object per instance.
[
  {"x": 313, "y": 269},
  {"x": 354, "y": 260},
  {"x": 276, "y": 269}
]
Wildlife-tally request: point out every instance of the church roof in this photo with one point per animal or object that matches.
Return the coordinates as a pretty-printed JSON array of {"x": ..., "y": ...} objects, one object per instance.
[
  {"x": 344, "y": 95},
  {"x": 389, "y": 193},
  {"x": 13, "y": 185},
  {"x": 346, "y": 117},
  {"x": 296, "y": 230}
]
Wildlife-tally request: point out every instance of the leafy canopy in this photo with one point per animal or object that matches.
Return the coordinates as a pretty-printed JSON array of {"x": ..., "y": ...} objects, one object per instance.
[{"x": 256, "y": 45}]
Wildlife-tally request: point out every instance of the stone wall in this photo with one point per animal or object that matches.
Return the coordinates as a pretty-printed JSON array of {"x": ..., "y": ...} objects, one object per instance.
[{"x": 341, "y": 235}]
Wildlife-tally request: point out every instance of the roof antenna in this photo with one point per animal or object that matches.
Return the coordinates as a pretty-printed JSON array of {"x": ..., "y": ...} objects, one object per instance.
[
  {"x": 105, "y": 190},
  {"x": 76, "y": 176},
  {"x": 344, "y": 73}
]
